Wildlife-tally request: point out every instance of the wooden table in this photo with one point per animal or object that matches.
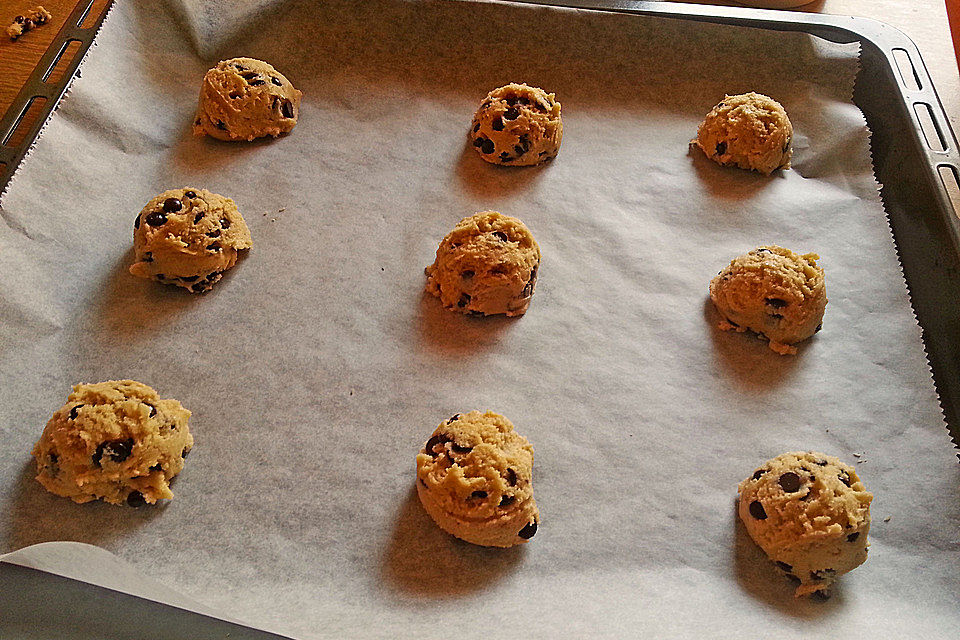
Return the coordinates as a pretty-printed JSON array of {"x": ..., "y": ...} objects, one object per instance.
[{"x": 925, "y": 21}]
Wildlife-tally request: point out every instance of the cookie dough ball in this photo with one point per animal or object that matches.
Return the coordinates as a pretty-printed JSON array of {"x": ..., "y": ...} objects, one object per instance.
[
  {"x": 773, "y": 292},
  {"x": 116, "y": 441},
  {"x": 750, "y": 131},
  {"x": 475, "y": 479},
  {"x": 243, "y": 99},
  {"x": 188, "y": 237},
  {"x": 810, "y": 514},
  {"x": 487, "y": 265},
  {"x": 517, "y": 125}
]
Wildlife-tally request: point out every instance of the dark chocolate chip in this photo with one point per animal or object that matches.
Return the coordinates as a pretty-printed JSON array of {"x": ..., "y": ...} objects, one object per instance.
[
  {"x": 54, "y": 458},
  {"x": 256, "y": 83},
  {"x": 786, "y": 567},
  {"x": 74, "y": 412},
  {"x": 764, "y": 250},
  {"x": 497, "y": 124},
  {"x": 519, "y": 150},
  {"x": 756, "y": 510},
  {"x": 500, "y": 235},
  {"x": 478, "y": 494},
  {"x": 214, "y": 247},
  {"x": 776, "y": 303},
  {"x": 117, "y": 450},
  {"x": 506, "y": 501},
  {"x": 225, "y": 223},
  {"x": 286, "y": 109},
  {"x": 197, "y": 218},
  {"x": 786, "y": 147},
  {"x": 156, "y": 219},
  {"x": 460, "y": 449},
  {"x": 189, "y": 194},
  {"x": 434, "y": 441},
  {"x": 721, "y": 148},
  {"x": 487, "y": 146},
  {"x": 423, "y": 483},
  {"x": 135, "y": 499},
  {"x": 525, "y": 142},
  {"x": 789, "y": 482},
  {"x": 235, "y": 96},
  {"x": 221, "y": 126},
  {"x": 153, "y": 409},
  {"x": 528, "y": 531},
  {"x": 464, "y": 300},
  {"x": 213, "y": 234},
  {"x": 250, "y": 75},
  {"x": 199, "y": 287},
  {"x": 478, "y": 142},
  {"x": 506, "y": 157},
  {"x": 19, "y": 19},
  {"x": 853, "y": 536},
  {"x": 183, "y": 454},
  {"x": 239, "y": 67},
  {"x": 819, "y": 326},
  {"x": 845, "y": 478},
  {"x": 758, "y": 473},
  {"x": 275, "y": 80},
  {"x": 467, "y": 274},
  {"x": 453, "y": 418},
  {"x": 511, "y": 114},
  {"x": 136, "y": 222},
  {"x": 511, "y": 477},
  {"x": 476, "y": 128},
  {"x": 511, "y": 100},
  {"x": 156, "y": 467},
  {"x": 820, "y": 463}
]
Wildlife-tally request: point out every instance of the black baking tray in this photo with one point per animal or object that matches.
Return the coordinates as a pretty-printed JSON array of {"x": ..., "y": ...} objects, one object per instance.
[{"x": 914, "y": 151}]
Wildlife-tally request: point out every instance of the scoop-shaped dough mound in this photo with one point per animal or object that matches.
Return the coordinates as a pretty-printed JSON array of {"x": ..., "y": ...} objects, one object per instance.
[
  {"x": 750, "y": 131},
  {"x": 517, "y": 125}
]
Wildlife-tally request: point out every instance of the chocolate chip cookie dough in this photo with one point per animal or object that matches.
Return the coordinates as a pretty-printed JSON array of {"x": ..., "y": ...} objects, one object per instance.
[
  {"x": 750, "y": 131},
  {"x": 487, "y": 265},
  {"x": 188, "y": 237},
  {"x": 774, "y": 292},
  {"x": 475, "y": 479},
  {"x": 243, "y": 99},
  {"x": 810, "y": 514},
  {"x": 116, "y": 441},
  {"x": 36, "y": 17},
  {"x": 517, "y": 125}
]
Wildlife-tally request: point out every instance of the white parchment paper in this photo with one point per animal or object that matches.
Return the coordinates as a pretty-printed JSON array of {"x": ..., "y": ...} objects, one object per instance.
[{"x": 317, "y": 368}]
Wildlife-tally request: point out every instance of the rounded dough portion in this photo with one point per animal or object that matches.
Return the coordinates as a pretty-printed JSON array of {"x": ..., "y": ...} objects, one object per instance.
[
  {"x": 517, "y": 125},
  {"x": 773, "y": 292},
  {"x": 245, "y": 98},
  {"x": 487, "y": 265},
  {"x": 475, "y": 479},
  {"x": 810, "y": 513},
  {"x": 116, "y": 441},
  {"x": 750, "y": 131},
  {"x": 188, "y": 237}
]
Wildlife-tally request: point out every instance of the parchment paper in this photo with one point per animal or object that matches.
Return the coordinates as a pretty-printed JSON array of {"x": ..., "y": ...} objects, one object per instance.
[{"x": 317, "y": 368}]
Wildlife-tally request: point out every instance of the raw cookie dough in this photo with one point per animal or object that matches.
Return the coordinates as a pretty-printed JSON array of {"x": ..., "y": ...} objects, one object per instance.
[
  {"x": 116, "y": 441},
  {"x": 750, "y": 131},
  {"x": 475, "y": 479},
  {"x": 243, "y": 99},
  {"x": 487, "y": 265},
  {"x": 517, "y": 125},
  {"x": 188, "y": 237},
  {"x": 810, "y": 514},
  {"x": 36, "y": 17},
  {"x": 773, "y": 292}
]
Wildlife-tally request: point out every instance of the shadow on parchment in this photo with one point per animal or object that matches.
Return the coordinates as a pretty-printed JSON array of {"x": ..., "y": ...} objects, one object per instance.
[
  {"x": 728, "y": 183},
  {"x": 757, "y": 577},
  {"x": 483, "y": 179},
  {"x": 455, "y": 333},
  {"x": 202, "y": 154},
  {"x": 40, "y": 516},
  {"x": 424, "y": 560},
  {"x": 747, "y": 357}
]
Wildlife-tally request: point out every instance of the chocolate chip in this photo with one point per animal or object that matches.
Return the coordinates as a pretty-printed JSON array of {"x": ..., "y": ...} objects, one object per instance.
[
  {"x": 511, "y": 114},
  {"x": 239, "y": 67},
  {"x": 786, "y": 567},
  {"x": 819, "y": 326},
  {"x": 453, "y": 418},
  {"x": 197, "y": 218},
  {"x": 820, "y": 463},
  {"x": 275, "y": 80},
  {"x": 528, "y": 531},
  {"x": 160, "y": 277},
  {"x": 189, "y": 194},
  {"x": 19, "y": 19},
  {"x": 200, "y": 287},
  {"x": 786, "y": 146},
  {"x": 188, "y": 278},
  {"x": 464, "y": 300},
  {"x": 256, "y": 83},
  {"x": 511, "y": 477},
  {"x": 423, "y": 483},
  {"x": 286, "y": 109},
  {"x": 74, "y": 412},
  {"x": 776, "y": 316},
  {"x": 153, "y": 409},
  {"x": 487, "y": 146},
  {"x": 853, "y": 536},
  {"x": 511, "y": 100},
  {"x": 476, "y": 128},
  {"x": 460, "y": 449},
  {"x": 731, "y": 322},
  {"x": 764, "y": 250},
  {"x": 214, "y": 247},
  {"x": 156, "y": 467},
  {"x": 213, "y": 234},
  {"x": 500, "y": 235},
  {"x": 250, "y": 75},
  {"x": 789, "y": 482},
  {"x": 844, "y": 478},
  {"x": 225, "y": 223},
  {"x": 497, "y": 124},
  {"x": 721, "y": 148},
  {"x": 758, "y": 473},
  {"x": 776, "y": 303},
  {"x": 478, "y": 494},
  {"x": 756, "y": 510},
  {"x": 519, "y": 150},
  {"x": 506, "y": 501},
  {"x": 156, "y": 219},
  {"x": 467, "y": 274},
  {"x": 439, "y": 438},
  {"x": 531, "y": 283},
  {"x": 117, "y": 450},
  {"x": 221, "y": 126},
  {"x": 54, "y": 458},
  {"x": 478, "y": 142},
  {"x": 235, "y": 96},
  {"x": 135, "y": 499},
  {"x": 136, "y": 222},
  {"x": 183, "y": 454},
  {"x": 506, "y": 157}
]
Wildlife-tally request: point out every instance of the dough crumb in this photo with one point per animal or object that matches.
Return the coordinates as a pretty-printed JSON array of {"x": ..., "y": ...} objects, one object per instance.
[{"x": 36, "y": 17}]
